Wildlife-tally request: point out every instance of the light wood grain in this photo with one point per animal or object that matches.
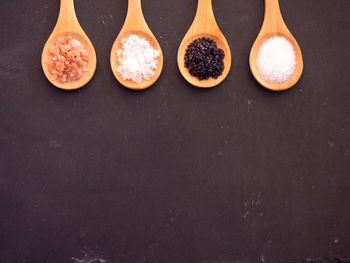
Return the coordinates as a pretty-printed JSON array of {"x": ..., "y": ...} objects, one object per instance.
[
  {"x": 204, "y": 25},
  {"x": 68, "y": 25},
  {"x": 135, "y": 23},
  {"x": 274, "y": 25}
]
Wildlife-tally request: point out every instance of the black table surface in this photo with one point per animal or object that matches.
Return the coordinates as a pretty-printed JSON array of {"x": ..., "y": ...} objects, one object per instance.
[{"x": 174, "y": 173}]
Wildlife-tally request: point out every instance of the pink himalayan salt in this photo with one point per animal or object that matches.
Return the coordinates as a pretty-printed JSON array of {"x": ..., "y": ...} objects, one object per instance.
[{"x": 68, "y": 60}]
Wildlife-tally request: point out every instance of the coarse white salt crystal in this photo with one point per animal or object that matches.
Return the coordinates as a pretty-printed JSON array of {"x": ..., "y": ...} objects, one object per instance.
[
  {"x": 276, "y": 60},
  {"x": 137, "y": 59}
]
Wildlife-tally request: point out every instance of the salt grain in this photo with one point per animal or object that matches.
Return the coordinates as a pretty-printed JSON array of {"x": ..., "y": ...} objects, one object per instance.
[
  {"x": 137, "y": 59},
  {"x": 276, "y": 60},
  {"x": 68, "y": 60}
]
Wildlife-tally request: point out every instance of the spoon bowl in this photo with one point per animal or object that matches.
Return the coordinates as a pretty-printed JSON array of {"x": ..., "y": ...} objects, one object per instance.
[
  {"x": 204, "y": 25},
  {"x": 274, "y": 25},
  {"x": 68, "y": 25},
  {"x": 135, "y": 24}
]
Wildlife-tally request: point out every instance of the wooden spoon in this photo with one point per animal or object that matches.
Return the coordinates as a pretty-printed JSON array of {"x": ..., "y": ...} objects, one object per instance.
[
  {"x": 204, "y": 25},
  {"x": 135, "y": 23},
  {"x": 68, "y": 25},
  {"x": 274, "y": 26}
]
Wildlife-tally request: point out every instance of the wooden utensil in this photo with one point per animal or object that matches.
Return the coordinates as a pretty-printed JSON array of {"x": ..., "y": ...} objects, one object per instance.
[
  {"x": 274, "y": 25},
  {"x": 135, "y": 23},
  {"x": 68, "y": 25},
  {"x": 204, "y": 25}
]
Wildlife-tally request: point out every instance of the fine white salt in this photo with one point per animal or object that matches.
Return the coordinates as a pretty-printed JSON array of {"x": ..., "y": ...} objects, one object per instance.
[
  {"x": 137, "y": 59},
  {"x": 276, "y": 60}
]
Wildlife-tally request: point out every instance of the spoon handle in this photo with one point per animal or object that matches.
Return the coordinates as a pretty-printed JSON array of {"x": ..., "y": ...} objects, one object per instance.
[
  {"x": 273, "y": 21},
  {"x": 134, "y": 18},
  {"x": 205, "y": 14},
  {"x": 67, "y": 11},
  {"x": 272, "y": 10}
]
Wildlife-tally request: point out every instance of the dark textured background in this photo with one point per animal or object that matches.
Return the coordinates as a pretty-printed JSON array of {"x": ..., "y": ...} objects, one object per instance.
[{"x": 174, "y": 173}]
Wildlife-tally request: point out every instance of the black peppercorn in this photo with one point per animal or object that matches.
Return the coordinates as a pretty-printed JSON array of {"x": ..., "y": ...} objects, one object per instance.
[{"x": 204, "y": 59}]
